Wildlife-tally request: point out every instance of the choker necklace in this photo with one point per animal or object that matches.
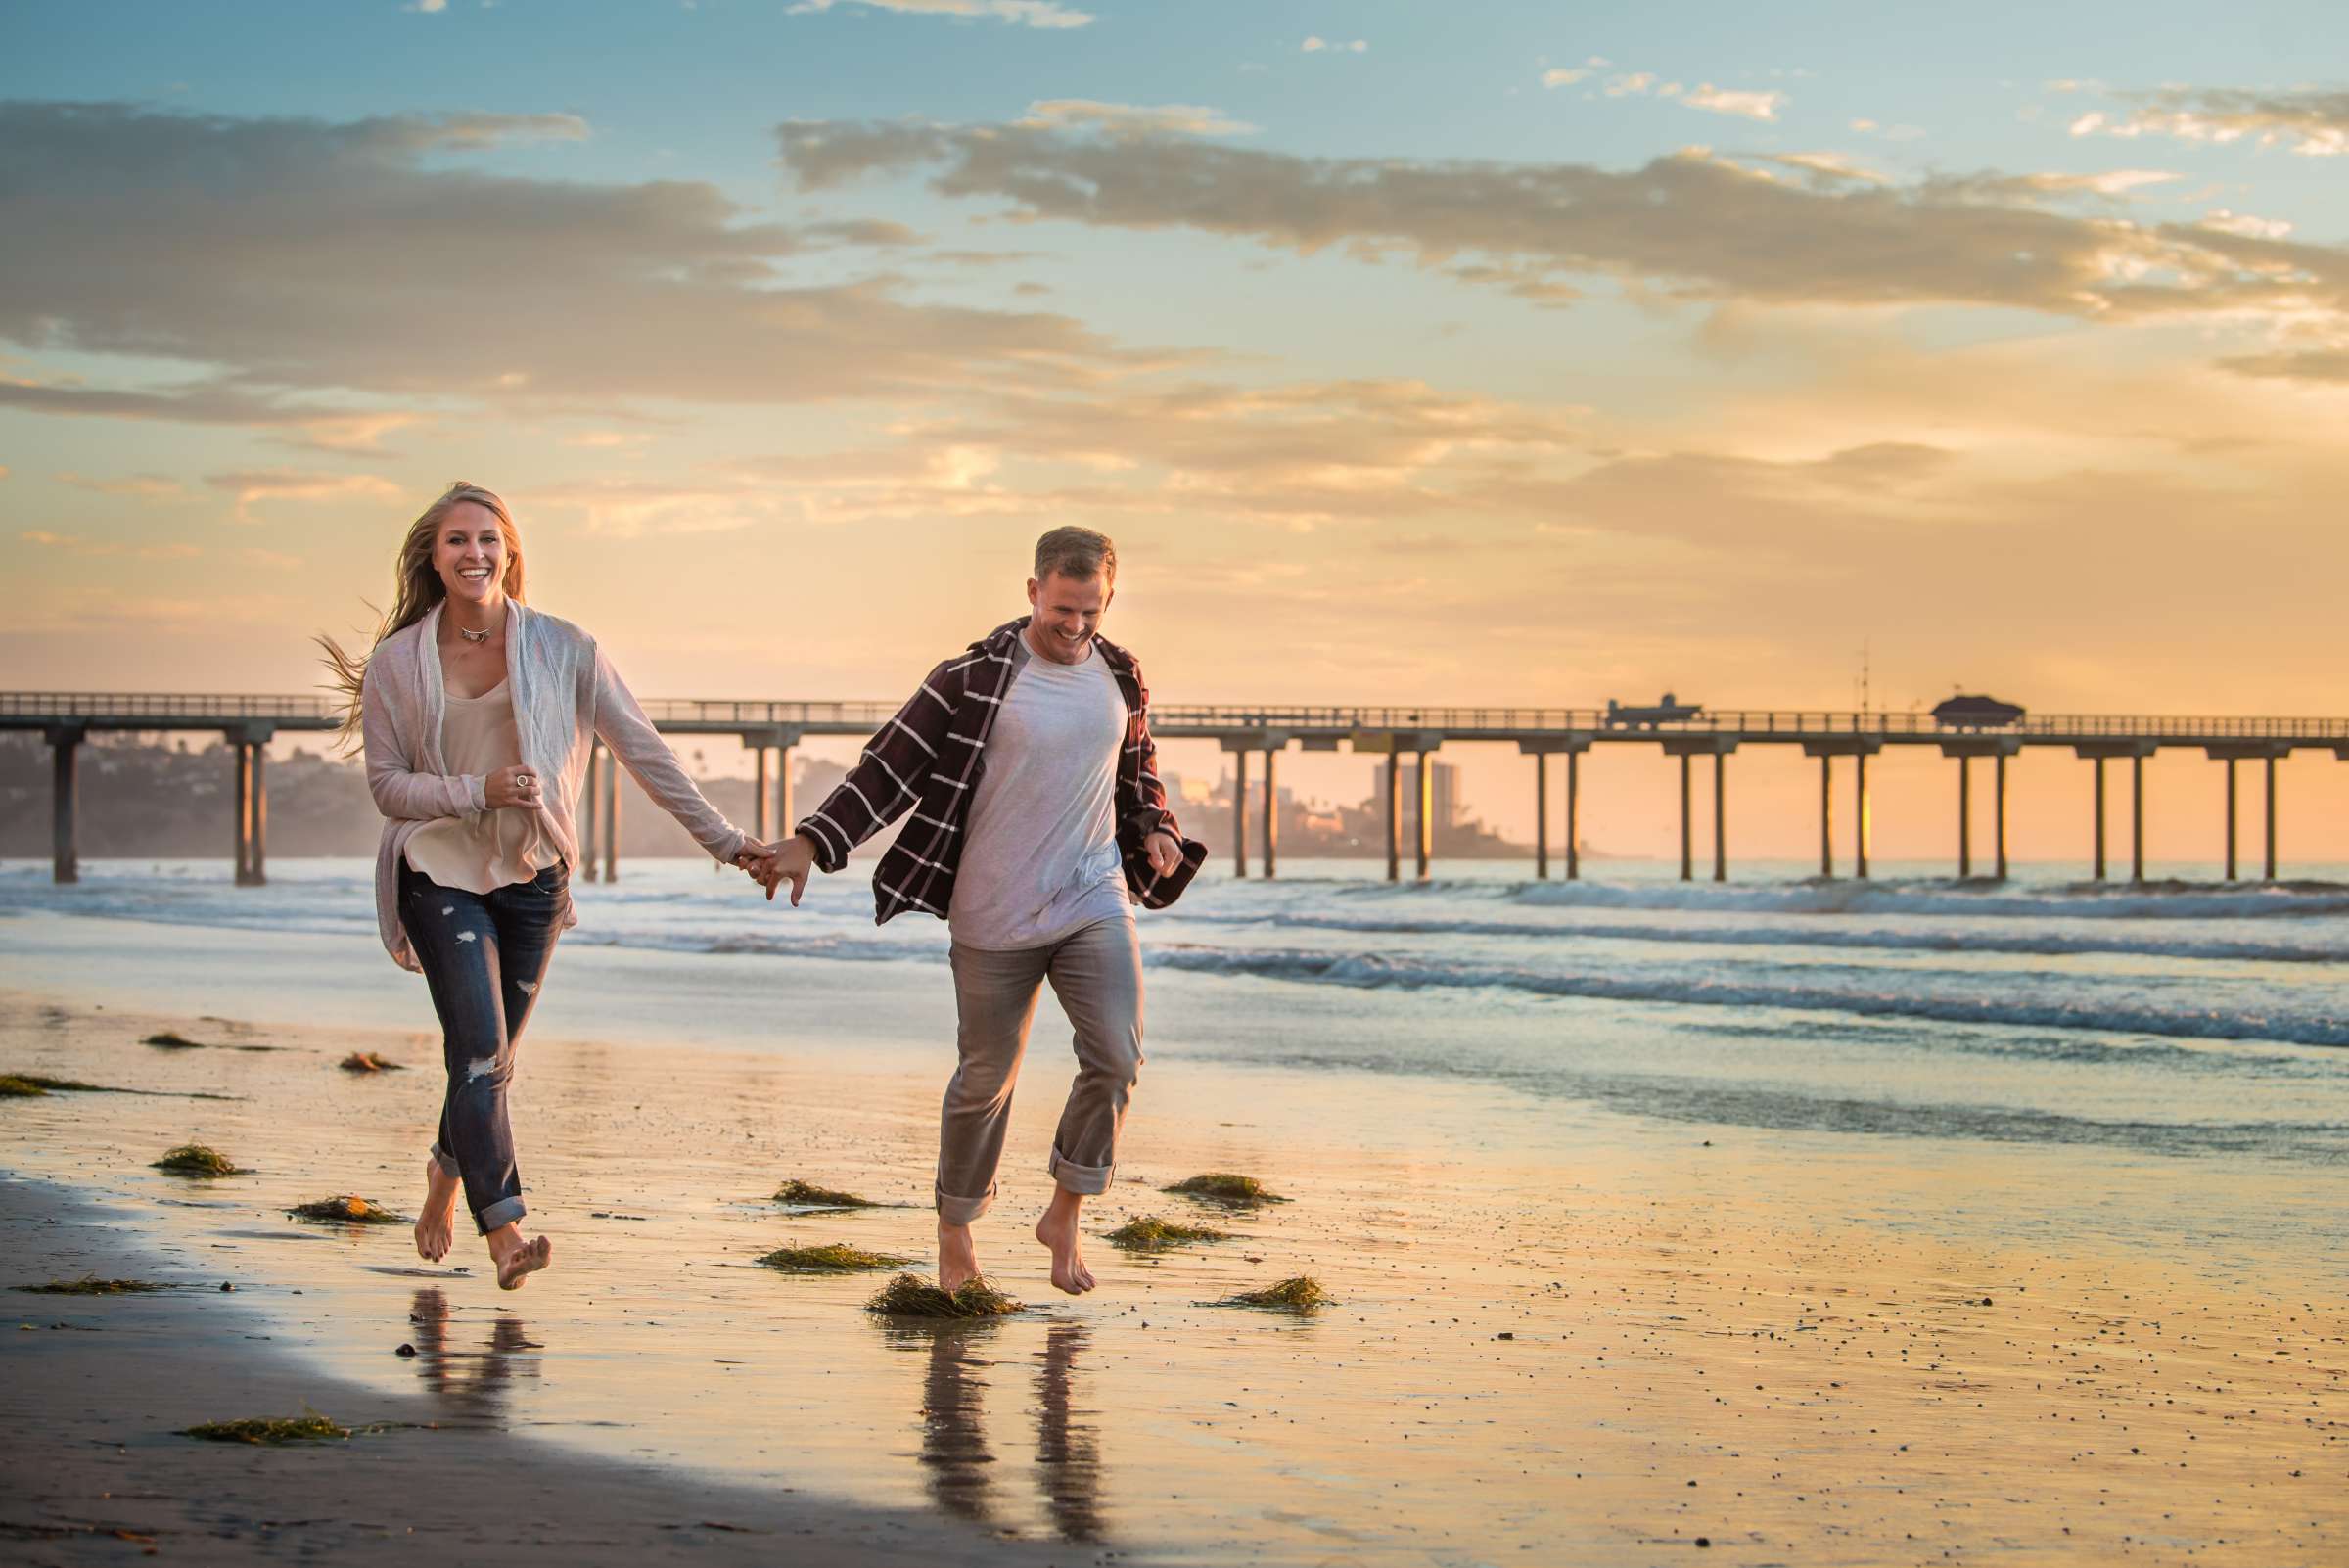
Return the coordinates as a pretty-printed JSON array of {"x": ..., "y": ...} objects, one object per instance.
[{"x": 472, "y": 636}]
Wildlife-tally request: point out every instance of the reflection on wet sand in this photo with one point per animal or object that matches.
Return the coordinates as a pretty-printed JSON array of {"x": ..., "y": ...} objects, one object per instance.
[
  {"x": 956, "y": 1456},
  {"x": 1067, "y": 1454},
  {"x": 472, "y": 1382},
  {"x": 954, "y": 1449}
]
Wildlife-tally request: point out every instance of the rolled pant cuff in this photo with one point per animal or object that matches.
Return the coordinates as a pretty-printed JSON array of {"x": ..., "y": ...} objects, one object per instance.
[
  {"x": 1091, "y": 1180},
  {"x": 448, "y": 1163},
  {"x": 504, "y": 1211},
  {"x": 962, "y": 1211}
]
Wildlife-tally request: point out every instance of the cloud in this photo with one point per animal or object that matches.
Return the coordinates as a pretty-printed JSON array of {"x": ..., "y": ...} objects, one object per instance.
[
  {"x": 1294, "y": 456},
  {"x": 874, "y": 232},
  {"x": 2316, "y": 365},
  {"x": 1826, "y": 168},
  {"x": 1748, "y": 105},
  {"x": 1564, "y": 78},
  {"x": 2243, "y": 223},
  {"x": 430, "y": 8},
  {"x": 76, "y": 544},
  {"x": 307, "y": 257},
  {"x": 253, "y": 487},
  {"x": 2044, "y": 189},
  {"x": 1662, "y": 228},
  {"x": 1134, "y": 119},
  {"x": 1043, "y": 13},
  {"x": 1315, "y": 46},
  {"x": 1629, "y": 83},
  {"x": 2312, "y": 122},
  {"x": 139, "y": 487}
]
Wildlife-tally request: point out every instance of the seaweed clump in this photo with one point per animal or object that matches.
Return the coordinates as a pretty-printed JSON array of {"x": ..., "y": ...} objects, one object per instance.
[
  {"x": 171, "y": 1040},
  {"x": 197, "y": 1160},
  {"x": 832, "y": 1257},
  {"x": 91, "y": 1285},
  {"x": 348, "y": 1209},
  {"x": 42, "y": 1084},
  {"x": 1225, "y": 1187},
  {"x": 1150, "y": 1233},
  {"x": 912, "y": 1295},
  {"x": 808, "y": 1195},
  {"x": 1303, "y": 1294},
  {"x": 309, "y": 1428},
  {"x": 16, "y": 1087},
  {"x": 369, "y": 1062}
]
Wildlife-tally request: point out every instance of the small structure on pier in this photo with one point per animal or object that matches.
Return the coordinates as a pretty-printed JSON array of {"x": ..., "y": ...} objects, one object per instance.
[
  {"x": 1667, "y": 711},
  {"x": 1976, "y": 712}
]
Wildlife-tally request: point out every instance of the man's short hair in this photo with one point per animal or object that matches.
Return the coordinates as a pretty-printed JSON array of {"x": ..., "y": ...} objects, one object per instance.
[{"x": 1079, "y": 554}]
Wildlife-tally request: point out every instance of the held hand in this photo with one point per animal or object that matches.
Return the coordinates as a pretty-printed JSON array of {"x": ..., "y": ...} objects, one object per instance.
[
  {"x": 1165, "y": 852},
  {"x": 772, "y": 864},
  {"x": 512, "y": 786}
]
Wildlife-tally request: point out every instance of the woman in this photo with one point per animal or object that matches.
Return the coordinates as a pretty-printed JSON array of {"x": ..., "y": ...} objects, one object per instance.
[{"x": 476, "y": 716}]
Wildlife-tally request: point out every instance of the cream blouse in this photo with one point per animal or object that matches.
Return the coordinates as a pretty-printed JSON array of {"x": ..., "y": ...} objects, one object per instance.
[{"x": 482, "y": 851}]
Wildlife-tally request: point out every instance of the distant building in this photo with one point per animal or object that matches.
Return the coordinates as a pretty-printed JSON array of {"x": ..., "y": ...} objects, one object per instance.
[{"x": 1444, "y": 783}]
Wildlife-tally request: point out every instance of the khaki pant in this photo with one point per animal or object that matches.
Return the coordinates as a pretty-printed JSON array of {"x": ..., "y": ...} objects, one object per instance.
[{"x": 1096, "y": 972}]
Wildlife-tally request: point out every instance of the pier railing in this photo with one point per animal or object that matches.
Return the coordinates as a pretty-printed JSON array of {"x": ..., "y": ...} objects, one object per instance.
[{"x": 198, "y": 710}]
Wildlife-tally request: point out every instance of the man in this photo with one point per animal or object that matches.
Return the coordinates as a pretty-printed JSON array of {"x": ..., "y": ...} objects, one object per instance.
[{"x": 1039, "y": 820}]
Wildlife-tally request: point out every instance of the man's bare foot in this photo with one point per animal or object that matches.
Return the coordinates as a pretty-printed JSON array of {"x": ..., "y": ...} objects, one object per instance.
[
  {"x": 1057, "y": 1229},
  {"x": 517, "y": 1258},
  {"x": 434, "y": 1220},
  {"x": 957, "y": 1257}
]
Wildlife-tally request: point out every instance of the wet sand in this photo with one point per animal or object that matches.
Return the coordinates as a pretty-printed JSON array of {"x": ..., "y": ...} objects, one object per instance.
[{"x": 1560, "y": 1335}]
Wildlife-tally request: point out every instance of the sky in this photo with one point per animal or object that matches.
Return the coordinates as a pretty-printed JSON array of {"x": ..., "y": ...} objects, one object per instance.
[{"x": 1491, "y": 353}]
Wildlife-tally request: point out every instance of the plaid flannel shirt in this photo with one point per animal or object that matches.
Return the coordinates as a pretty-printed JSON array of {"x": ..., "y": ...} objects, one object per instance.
[{"x": 929, "y": 757}]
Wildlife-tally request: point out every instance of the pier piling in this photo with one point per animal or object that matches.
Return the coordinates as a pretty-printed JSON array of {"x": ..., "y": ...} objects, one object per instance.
[
  {"x": 1272, "y": 811},
  {"x": 1685, "y": 868},
  {"x": 1965, "y": 816},
  {"x": 1540, "y": 816},
  {"x": 2270, "y": 870},
  {"x": 1239, "y": 812},
  {"x": 1998, "y": 816},
  {"x": 1826, "y": 816},
  {"x": 1574, "y": 843},
  {"x": 1394, "y": 816},
  {"x": 1541, "y": 749},
  {"x": 65, "y": 800},
  {"x": 2100, "y": 819},
  {"x": 1423, "y": 814},
  {"x": 2137, "y": 819}
]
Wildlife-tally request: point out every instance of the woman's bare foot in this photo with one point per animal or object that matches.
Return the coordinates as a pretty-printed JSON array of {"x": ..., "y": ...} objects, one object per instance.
[
  {"x": 1057, "y": 1229},
  {"x": 436, "y": 1218},
  {"x": 517, "y": 1258},
  {"x": 957, "y": 1257}
]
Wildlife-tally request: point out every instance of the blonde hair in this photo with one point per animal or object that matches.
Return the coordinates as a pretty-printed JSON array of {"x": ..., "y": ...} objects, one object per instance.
[{"x": 415, "y": 589}]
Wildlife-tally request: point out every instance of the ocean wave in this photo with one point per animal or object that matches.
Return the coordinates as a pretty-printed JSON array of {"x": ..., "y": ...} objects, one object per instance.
[
  {"x": 2028, "y": 944},
  {"x": 1367, "y": 971},
  {"x": 2077, "y": 900}
]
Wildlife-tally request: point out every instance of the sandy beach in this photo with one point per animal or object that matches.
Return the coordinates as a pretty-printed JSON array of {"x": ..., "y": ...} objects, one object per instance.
[{"x": 1560, "y": 1333}]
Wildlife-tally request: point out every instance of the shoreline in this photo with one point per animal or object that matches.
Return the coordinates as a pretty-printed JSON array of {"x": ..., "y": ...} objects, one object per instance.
[
  {"x": 96, "y": 1390},
  {"x": 1562, "y": 1334}
]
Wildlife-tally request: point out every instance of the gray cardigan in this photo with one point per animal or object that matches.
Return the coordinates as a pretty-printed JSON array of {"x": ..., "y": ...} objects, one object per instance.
[{"x": 566, "y": 694}]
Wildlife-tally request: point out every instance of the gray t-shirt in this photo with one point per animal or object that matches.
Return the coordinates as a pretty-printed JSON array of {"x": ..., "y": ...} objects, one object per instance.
[{"x": 1041, "y": 855}]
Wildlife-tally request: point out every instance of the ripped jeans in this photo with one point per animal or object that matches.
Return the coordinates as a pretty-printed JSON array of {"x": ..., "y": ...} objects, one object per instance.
[{"x": 483, "y": 956}]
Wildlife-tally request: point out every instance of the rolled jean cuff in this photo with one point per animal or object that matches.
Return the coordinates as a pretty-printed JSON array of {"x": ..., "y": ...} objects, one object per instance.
[
  {"x": 1091, "y": 1180},
  {"x": 962, "y": 1211},
  {"x": 504, "y": 1211},
  {"x": 447, "y": 1163}
]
